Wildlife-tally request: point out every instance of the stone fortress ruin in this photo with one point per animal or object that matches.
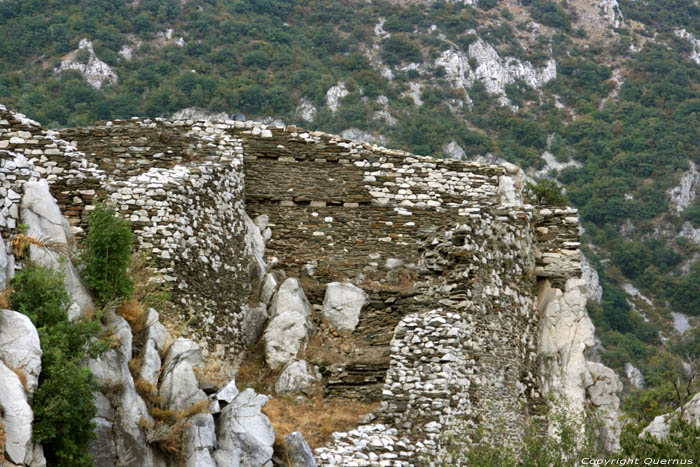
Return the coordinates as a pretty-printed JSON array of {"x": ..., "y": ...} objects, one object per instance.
[{"x": 471, "y": 307}]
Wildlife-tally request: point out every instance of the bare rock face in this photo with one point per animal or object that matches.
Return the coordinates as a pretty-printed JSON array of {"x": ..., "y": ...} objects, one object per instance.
[
  {"x": 4, "y": 263},
  {"x": 200, "y": 441},
  {"x": 298, "y": 451},
  {"x": 603, "y": 396},
  {"x": 96, "y": 72},
  {"x": 45, "y": 223},
  {"x": 17, "y": 417},
  {"x": 179, "y": 386},
  {"x": 566, "y": 332},
  {"x": 342, "y": 306},
  {"x": 245, "y": 435},
  {"x": 289, "y": 327},
  {"x": 334, "y": 94},
  {"x": 296, "y": 377},
  {"x": 20, "y": 348},
  {"x": 122, "y": 411}
]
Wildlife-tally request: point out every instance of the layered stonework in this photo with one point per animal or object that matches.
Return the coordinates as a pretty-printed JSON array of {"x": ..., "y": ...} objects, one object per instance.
[{"x": 449, "y": 256}]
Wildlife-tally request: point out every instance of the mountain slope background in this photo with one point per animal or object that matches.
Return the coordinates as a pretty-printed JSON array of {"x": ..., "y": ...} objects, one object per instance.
[{"x": 602, "y": 96}]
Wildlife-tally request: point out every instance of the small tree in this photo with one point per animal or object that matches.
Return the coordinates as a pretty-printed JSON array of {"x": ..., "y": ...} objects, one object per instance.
[
  {"x": 546, "y": 192},
  {"x": 63, "y": 404},
  {"x": 107, "y": 253}
]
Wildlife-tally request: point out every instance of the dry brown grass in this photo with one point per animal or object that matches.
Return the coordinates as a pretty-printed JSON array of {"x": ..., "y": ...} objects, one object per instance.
[
  {"x": 5, "y": 298},
  {"x": 22, "y": 242},
  {"x": 254, "y": 373},
  {"x": 405, "y": 283},
  {"x": 134, "y": 313},
  {"x": 316, "y": 418},
  {"x": 148, "y": 391},
  {"x": 167, "y": 432},
  {"x": 22, "y": 376},
  {"x": 3, "y": 438}
]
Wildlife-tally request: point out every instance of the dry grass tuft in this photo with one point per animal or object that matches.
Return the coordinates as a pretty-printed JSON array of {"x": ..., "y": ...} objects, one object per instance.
[
  {"x": 317, "y": 418},
  {"x": 22, "y": 242},
  {"x": 3, "y": 438},
  {"x": 148, "y": 391},
  {"x": 135, "y": 366},
  {"x": 168, "y": 430},
  {"x": 5, "y": 298},
  {"x": 134, "y": 313},
  {"x": 22, "y": 376}
]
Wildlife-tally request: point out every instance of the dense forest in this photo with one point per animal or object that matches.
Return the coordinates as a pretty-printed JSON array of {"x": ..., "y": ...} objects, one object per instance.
[{"x": 623, "y": 109}]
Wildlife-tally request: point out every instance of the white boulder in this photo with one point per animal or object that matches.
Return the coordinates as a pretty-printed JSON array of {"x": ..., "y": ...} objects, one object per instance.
[
  {"x": 244, "y": 433},
  {"x": 17, "y": 417},
  {"x": 20, "y": 348},
  {"x": 342, "y": 306},
  {"x": 296, "y": 377},
  {"x": 46, "y": 223}
]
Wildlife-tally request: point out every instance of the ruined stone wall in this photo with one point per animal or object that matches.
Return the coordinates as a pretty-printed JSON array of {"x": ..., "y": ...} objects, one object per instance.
[{"x": 181, "y": 187}]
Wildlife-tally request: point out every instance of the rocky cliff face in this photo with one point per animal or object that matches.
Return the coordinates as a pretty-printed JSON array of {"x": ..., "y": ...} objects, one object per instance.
[{"x": 439, "y": 292}]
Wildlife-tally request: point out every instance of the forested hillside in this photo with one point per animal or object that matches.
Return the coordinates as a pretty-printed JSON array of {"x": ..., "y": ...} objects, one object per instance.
[{"x": 603, "y": 97}]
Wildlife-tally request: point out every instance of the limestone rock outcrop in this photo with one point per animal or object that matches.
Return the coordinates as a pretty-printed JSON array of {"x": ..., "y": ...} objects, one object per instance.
[
  {"x": 342, "y": 306},
  {"x": 298, "y": 451},
  {"x": 17, "y": 417},
  {"x": 244, "y": 434},
  {"x": 296, "y": 377},
  {"x": 20, "y": 348},
  {"x": 289, "y": 327},
  {"x": 661, "y": 425}
]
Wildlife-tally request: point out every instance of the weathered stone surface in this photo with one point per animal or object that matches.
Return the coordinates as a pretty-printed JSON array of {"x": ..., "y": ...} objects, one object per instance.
[
  {"x": 283, "y": 338},
  {"x": 253, "y": 323},
  {"x": 150, "y": 362},
  {"x": 298, "y": 451},
  {"x": 17, "y": 417},
  {"x": 179, "y": 386},
  {"x": 342, "y": 306},
  {"x": 4, "y": 263},
  {"x": 199, "y": 441},
  {"x": 20, "y": 348},
  {"x": 661, "y": 425},
  {"x": 295, "y": 377},
  {"x": 156, "y": 332},
  {"x": 45, "y": 222},
  {"x": 228, "y": 393},
  {"x": 603, "y": 395},
  {"x": 290, "y": 297},
  {"x": 634, "y": 376},
  {"x": 566, "y": 332},
  {"x": 243, "y": 431},
  {"x": 268, "y": 288},
  {"x": 111, "y": 371}
]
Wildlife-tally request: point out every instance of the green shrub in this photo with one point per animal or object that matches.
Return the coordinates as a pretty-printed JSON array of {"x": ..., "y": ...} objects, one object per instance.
[
  {"x": 546, "y": 192},
  {"x": 107, "y": 253},
  {"x": 63, "y": 404},
  {"x": 682, "y": 441}
]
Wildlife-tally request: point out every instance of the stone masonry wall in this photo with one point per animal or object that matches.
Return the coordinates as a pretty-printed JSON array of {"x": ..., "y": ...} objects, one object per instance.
[{"x": 181, "y": 187}]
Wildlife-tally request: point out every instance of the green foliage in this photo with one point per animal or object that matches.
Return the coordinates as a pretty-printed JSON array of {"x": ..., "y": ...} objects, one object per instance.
[
  {"x": 681, "y": 442},
  {"x": 398, "y": 49},
  {"x": 546, "y": 192},
  {"x": 106, "y": 254},
  {"x": 63, "y": 404},
  {"x": 549, "y": 14},
  {"x": 536, "y": 448}
]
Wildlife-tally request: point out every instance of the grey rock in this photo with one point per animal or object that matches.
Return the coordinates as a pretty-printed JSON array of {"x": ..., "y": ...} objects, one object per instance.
[
  {"x": 298, "y": 451},
  {"x": 243, "y": 431},
  {"x": 20, "y": 348},
  {"x": 262, "y": 221},
  {"x": 253, "y": 323},
  {"x": 634, "y": 376},
  {"x": 594, "y": 291},
  {"x": 156, "y": 332},
  {"x": 342, "y": 306},
  {"x": 179, "y": 386},
  {"x": 38, "y": 459},
  {"x": 150, "y": 363},
  {"x": 4, "y": 265},
  {"x": 453, "y": 150},
  {"x": 17, "y": 417},
  {"x": 290, "y": 297},
  {"x": 103, "y": 447},
  {"x": 228, "y": 393},
  {"x": 295, "y": 377},
  {"x": 255, "y": 245},
  {"x": 283, "y": 338},
  {"x": 661, "y": 425},
  {"x": 45, "y": 222},
  {"x": 268, "y": 288},
  {"x": 603, "y": 396},
  {"x": 200, "y": 441}
]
